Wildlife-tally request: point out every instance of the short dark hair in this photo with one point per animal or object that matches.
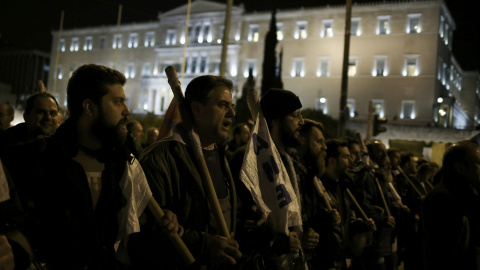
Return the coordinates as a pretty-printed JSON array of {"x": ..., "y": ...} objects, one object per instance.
[
  {"x": 332, "y": 148},
  {"x": 200, "y": 87},
  {"x": 237, "y": 129},
  {"x": 426, "y": 168},
  {"x": 405, "y": 158},
  {"x": 392, "y": 151},
  {"x": 308, "y": 125},
  {"x": 10, "y": 110},
  {"x": 350, "y": 141},
  {"x": 458, "y": 152},
  {"x": 29, "y": 104},
  {"x": 90, "y": 82}
]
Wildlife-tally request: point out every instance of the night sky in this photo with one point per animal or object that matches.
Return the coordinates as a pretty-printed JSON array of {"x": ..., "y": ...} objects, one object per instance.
[{"x": 28, "y": 23}]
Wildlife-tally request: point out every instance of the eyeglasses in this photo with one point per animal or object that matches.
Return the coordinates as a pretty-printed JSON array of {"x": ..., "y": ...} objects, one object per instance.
[{"x": 297, "y": 117}]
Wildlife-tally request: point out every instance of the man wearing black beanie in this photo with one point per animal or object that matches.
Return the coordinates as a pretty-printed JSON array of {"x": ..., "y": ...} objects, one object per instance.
[{"x": 281, "y": 109}]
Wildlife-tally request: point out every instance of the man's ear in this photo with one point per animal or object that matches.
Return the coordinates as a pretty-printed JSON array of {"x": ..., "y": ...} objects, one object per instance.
[
  {"x": 89, "y": 107},
  {"x": 196, "y": 107}
]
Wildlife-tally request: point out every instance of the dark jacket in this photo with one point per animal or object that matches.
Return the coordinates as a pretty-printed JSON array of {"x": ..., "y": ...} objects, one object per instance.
[
  {"x": 66, "y": 230},
  {"x": 177, "y": 186},
  {"x": 375, "y": 208},
  {"x": 451, "y": 218}
]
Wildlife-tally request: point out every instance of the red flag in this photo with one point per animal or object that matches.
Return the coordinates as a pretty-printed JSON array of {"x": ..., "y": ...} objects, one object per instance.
[{"x": 172, "y": 117}]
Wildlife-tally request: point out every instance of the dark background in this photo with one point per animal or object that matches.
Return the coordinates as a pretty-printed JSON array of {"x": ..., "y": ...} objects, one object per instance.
[{"x": 28, "y": 23}]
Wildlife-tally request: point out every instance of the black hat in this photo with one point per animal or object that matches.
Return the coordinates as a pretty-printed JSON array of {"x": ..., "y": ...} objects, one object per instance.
[{"x": 278, "y": 103}]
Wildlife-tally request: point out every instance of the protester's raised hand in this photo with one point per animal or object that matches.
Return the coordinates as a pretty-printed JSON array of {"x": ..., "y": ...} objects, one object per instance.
[
  {"x": 6, "y": 254},
  {"x": 169, "y": 223},
  {"x": 310, "y": 239},
  {"x": 224, "y": 250}
]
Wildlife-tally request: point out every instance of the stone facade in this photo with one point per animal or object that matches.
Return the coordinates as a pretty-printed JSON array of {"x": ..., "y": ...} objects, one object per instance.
[{"x": 400, "y": 58}]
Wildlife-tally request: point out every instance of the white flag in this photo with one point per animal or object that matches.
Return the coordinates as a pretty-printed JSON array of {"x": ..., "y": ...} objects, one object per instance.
[
  {"x": 135, "y": 189},
  {"x": 264, "y": 174}
]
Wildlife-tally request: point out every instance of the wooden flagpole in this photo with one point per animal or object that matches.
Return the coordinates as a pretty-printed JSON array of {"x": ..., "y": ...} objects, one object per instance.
[
  {"x": 410, "y": 182},
  {"x": 195, "y": 143},
  {"x": 178, "y": 243},
  {"x": 55, "y": 75},
  {"x": 119, "y": 19},
  {"x": 186, "y": 41}
]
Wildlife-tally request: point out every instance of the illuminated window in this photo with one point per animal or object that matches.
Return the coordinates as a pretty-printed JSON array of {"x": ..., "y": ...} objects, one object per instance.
[
  {"x": 383, "y": 27},
  {"x": 150, "y": 39},
  {"x": 196, "y": 34},
  {"x": 323, "y": 68},
  {"x": 413, "y": 23},
  {"x": 408, "y": 109},
  {"x": 411, "y": 66},
  {"x": 62, "y": 45},
  {"x": 321, "y": 105},
  {"x": 59, "y": 73},
  {"x": 279, "y": 31},
  {"x": 133, "y": 40},
  {"x": 298, "y": 67},
  {"x": 207, "y": 35},
  {"x": 117, "y": 41},
  {"x": 355, "y": 27},
  {"x": 378, "y": 107},
  {"x": 351, "y": 107},
  {"x": 74, "y": 45},
  {"x": 221, "y": 31},
  {"x": 193, "y": 64},
  {"x": 301, "y": 30},
  {"x": 103, "y": 41},
  {"x": 203, "y": 64},
  {"x": 88, "y": 44},
  {"x": 130, "y": 72},
  {"x": 146, "y": 70},
  {"x": 171, "y": 37},
  {"x": 250, "y": 64},
  {"x": 441, "y": 25},
  {"x": 327, "y": 28},
  {"x": 253, "y": 33},
  {"x": 380, "y": 66},
  {"x": 352, "y": 67}
]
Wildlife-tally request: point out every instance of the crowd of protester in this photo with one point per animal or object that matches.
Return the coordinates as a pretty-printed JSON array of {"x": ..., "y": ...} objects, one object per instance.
[{"x": 74, "y": 193}]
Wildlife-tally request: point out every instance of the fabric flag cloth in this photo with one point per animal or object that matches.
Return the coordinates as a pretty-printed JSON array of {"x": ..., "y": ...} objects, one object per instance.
[
  {"x": 136, "y": 191},
  {"x": 264, "y": 174},
  {"x": 170, "y": 120}
]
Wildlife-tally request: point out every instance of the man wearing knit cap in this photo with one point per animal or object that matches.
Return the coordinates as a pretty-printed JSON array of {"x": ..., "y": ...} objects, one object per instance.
[{"x": 281, "y": 109}]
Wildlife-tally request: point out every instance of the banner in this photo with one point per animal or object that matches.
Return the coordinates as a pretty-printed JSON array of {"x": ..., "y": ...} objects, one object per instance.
[
  {"x": 264, "y": 174},
  {"x": 172, "y": 117}
]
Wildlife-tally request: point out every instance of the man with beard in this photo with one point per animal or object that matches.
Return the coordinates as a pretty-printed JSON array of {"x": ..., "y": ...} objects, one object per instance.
[
  {"x": 176, "y": 182},
  {"x": 380, "y": 205},
  {"x": 312, "y": 152},
  {"x": 77, "y": 191},
  {"x": 41, "y": 120},
  {"x": 334, "y": 236},
  {"x": 281, "y": 109}
]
